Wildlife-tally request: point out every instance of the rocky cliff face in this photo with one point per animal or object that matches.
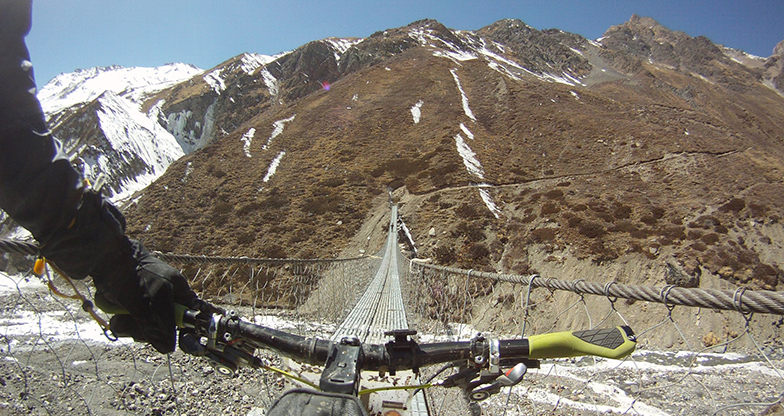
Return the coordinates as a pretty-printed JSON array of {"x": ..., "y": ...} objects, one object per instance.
[
  {"x": 503, "y": 145},
  {"x": 540, "y": 52},
  {"x": 646, "y": 142},
  {"x": 774, "y": 67}
]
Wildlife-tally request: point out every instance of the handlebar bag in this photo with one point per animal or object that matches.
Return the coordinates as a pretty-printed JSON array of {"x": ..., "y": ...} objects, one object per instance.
[{"x": 307, "y": 402}]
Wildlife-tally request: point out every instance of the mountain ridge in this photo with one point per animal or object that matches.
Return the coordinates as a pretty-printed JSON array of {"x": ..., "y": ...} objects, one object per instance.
[
  {"x": 597, "y": 149},
  {"x": 486, "y": 118}
]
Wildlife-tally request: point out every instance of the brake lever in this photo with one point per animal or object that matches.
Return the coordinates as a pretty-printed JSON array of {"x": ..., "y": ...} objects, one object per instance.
[
  {"x": 482, "y": 377},
  {"x": 207, "y": 337},
  {"x": 509, "y": 378}
]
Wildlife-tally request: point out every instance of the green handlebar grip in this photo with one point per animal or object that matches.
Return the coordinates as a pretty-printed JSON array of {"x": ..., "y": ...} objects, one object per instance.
[
  {"x": 179, "y": 312},
  {"x": 613, "y": 343},
  {"x": 110, "y": 308}
]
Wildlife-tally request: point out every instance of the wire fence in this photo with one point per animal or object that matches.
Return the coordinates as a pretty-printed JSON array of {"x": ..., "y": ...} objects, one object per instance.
[
  {"x": 699, "y": 351},
  {"x": 721, "y": 355}
]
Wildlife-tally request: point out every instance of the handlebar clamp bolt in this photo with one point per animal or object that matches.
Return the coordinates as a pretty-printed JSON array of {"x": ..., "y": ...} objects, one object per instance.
[
  {"x": 352, "y": 340},
  {"x": 479, "y": 360}
]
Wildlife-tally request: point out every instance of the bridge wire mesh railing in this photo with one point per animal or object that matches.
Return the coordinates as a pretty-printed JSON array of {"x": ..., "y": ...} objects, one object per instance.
[
  {"x": 699, "y": 351},
  {"x": 54, "y": 360},
  {"x": 57, "y": 361}
]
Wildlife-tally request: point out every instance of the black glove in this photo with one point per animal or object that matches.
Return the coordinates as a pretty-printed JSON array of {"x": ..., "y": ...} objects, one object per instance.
[
  {"x": 125, "y": 274},
  {"x": 148, "y": 288},
  {"x": 93, "y": 244},
  {"x": 81, "y": 232}
]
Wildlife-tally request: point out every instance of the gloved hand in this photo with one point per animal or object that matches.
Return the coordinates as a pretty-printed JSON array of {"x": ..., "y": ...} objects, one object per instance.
[
  {"x": 125, "y": 274},
  {"x": 147, "y": 288},
  {"x": 81, "y": 232},
  {"x": 151, "y": 308}
]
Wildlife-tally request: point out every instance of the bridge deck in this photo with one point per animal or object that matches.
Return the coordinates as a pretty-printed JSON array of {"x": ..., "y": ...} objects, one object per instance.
[{"x": 381, "y": 309}]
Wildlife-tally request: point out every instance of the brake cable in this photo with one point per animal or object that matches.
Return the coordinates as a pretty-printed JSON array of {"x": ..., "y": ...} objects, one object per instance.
[
  {"x": 87, "y": 305},
  {"x": 289, "y": 375},
  {"x": 416, "y": 387}
]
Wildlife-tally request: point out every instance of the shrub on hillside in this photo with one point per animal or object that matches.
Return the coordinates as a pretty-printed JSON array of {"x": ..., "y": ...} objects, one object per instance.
[
  {"x": 549, "y": 208},
  {"x": 542, "y": 235},
  {"x": 591, "y": 229},
  {"x": 321, "y": 204},
  {"x": 466, "y": 211},
  {"x": 471, "y": 231},
  {"x": 734, "y": 205},
  {"x": 445, "y": 255}
]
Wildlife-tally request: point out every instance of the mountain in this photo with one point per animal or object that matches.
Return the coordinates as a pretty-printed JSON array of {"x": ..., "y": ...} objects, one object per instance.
[
  {"x": 508, "y": 148},
  {"x": 97, "y": 115},
  {"x": 76, "y": 89}
]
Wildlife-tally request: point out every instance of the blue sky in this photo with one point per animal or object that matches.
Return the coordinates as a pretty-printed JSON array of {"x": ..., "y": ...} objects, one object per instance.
[{"x": 73, "y": 34}]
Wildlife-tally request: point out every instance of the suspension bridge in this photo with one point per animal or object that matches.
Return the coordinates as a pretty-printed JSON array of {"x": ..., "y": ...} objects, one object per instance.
[{"x": 367, "y": 296}]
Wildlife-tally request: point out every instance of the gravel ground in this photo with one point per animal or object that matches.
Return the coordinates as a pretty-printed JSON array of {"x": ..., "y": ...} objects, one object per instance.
[{"x": 45, "y": 369}]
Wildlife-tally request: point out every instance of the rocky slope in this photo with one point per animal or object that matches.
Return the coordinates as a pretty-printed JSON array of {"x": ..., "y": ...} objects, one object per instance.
[
  {"x": 645, "y": 142},
  {"x": 502, "y": 144}
]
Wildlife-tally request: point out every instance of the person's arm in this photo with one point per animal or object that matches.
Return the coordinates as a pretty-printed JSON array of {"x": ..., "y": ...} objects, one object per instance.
[
  {"x": 38, "y": 187},
  {"x": 78, "y": 229}
]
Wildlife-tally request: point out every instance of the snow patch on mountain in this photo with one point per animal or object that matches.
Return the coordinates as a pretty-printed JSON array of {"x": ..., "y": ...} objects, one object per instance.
[
  {"x": 743, "y": 58},
  {"x": 341, "y": 45},
  {"x": 443, "y": 48},
  {"x": 503, "y": 70},
  {"x": 455, "y": 57},
  {"x": 501, "y": 64},
  {"x": 470, "y": 161},
  {"x": 215, "y": 80},
  {"x": 127, "y": 128},
  {"x": 273, "y": 167},
  {"x": 246, "y": 139},
  {"x": 409, "y": 237},
  {"x": 478, "y": 48},
  {"x": 250, "y": 62},
  {"x": 489, "y": 202},
  {"x": 474, "y": 167},
  {"x": 564, "y": 78},
  {"x": 133, "y": 137},
  {"x": 469, "y": 157},
  {"x": 514, "y": 70},
  {"x": 416, "y": 111},
  {"x": 277, "y": 130},
  {"x": 423, "y": 36},
  {"x": 466, "y": 131},
  {"x": 463, "y": 96},
  {"x": 85, "y": 85},
  {"x": 271, "y": 82},
  {"x": 188, "y": 171}
]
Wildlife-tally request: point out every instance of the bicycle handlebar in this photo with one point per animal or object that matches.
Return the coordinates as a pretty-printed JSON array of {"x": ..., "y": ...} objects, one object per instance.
[{"x": 402, "y": 353}]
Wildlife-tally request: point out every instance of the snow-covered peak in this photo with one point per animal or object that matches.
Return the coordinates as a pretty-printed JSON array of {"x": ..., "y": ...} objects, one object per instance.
[
  {"x": 742, "y": 57},
  {"x": 341, "y": 45},
  {"x": 250, "y": 62},
  {"x": 137, "y": 149},
  {"x": 134, "y": 83}
]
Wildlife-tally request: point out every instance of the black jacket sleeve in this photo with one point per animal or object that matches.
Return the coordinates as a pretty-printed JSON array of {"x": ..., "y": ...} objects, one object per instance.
[
  {"x": 78, "y": 229},
  {"x": 39, "y": 188}
]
